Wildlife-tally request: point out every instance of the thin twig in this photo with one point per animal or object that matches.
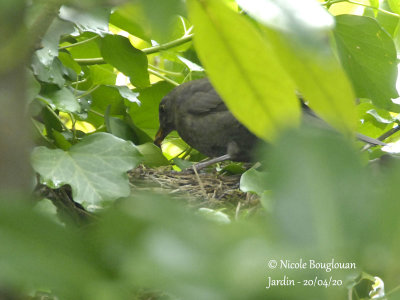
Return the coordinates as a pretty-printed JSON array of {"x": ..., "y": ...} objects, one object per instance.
[
  {"x": 383, "y": 137},
  {"x": 200, "y": 182},
  {"x": 163, "y": 77}
]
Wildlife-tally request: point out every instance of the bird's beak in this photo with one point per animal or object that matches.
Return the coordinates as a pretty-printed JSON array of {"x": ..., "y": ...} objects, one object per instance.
[{"x": 160, "y": 136}]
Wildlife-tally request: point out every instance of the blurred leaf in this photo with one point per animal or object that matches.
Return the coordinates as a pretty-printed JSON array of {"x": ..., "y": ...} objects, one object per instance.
[
  {"x": 120, "y": 53},
  {"x": 369, "y": 57},
  {"x": 299, "y": 32},
  {"x": 326, "y": 207},
  {"x": 214, "y": 215},
  {"x": 257, "y": 91},
  {"x": 62, "y": 100},
  {"x": 82, "y": 167},
  {"x": 95, "y": 20},
  {"x": 33, "y": 86},
  {"x": 38, "y": 253},
  {"x": 394, "y": 6},
  {"x": 161, "y": 16},
  {"x": 253, "y": 181},
  {"x": 152, "y": 155}
]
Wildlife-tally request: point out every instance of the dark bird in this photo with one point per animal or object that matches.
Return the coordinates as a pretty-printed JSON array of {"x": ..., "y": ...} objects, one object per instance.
[{"x": 198, "y": 114}]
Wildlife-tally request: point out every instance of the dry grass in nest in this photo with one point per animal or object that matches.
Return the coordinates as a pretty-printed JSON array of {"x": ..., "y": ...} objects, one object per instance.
[{"x": 205, "y": 189}]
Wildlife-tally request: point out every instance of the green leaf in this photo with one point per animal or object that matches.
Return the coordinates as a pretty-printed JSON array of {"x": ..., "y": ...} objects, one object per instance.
[
  {"x": 128, "y": 94},
  {"x": 258, "y": 91},
  {"x": 33, "y": 86},
  {"x": 51, "y": 74},
  {"x": 62, "y": 99},
  {"x": 119, "y": 52},
  {"x": 95, "y": 168},
  {"x": 130, "y": 17},
  {"x": 394, "y": 6},
  {"x": 86, "y": 50},
  {"x": 119, "y": 128},
  {"x": 253, "y": 181},
  {"x": 161, "y": 16},
  {"x": 299, "y": 32},
  {"x": 95, "y": 20},
  {"x": 152, "y": 155},
  {"x": 51, "y": 40},
  {"x": 102, "y": 74},
  {"x": 145, "y": 116},
  {"x": 369, "y": 57},
  {"x": 69, "y": 62}
]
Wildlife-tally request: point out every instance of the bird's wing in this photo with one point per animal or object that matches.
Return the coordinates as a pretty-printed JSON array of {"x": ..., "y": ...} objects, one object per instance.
[{"x": 205, "y": 102}]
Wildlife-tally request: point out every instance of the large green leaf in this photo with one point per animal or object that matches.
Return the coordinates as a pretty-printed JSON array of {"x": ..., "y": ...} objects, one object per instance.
[
  {"x": 95, "y": 168},
  {"x": 299, "y": 31},
  {"x": 119, "y": 52},
  {"x": 369, "y": 56},
  {"x": 244, "y": 68}
]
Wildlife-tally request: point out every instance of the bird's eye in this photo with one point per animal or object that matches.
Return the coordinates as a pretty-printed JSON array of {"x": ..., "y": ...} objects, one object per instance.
[{"x": 162, "y": 108}]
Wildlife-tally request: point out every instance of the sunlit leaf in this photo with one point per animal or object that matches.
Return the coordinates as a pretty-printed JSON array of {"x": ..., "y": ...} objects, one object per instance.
[
  {"x": 300, "y": 32},
  {"x": 120, "y": 53},
  {"x": 258, "y": 91},
  {"x": 369, "y": 56}
]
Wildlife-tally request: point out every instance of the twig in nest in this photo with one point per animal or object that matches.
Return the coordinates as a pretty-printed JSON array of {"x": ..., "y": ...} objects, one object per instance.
[{"x": 200, "y": 182}]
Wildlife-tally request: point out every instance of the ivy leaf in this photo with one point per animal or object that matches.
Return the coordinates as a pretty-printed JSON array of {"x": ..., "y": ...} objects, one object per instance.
[
  {"x": 62, "y": 99},
  {"x": 95, "y": 168},
  {"x": 253, "y": 181},
  {"x": 369, "y": 56},
  {"x": 119, "y": 52}
]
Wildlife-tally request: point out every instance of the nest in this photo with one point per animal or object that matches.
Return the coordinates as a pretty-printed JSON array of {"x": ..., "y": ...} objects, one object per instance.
[{"x": 211, "y": 190}]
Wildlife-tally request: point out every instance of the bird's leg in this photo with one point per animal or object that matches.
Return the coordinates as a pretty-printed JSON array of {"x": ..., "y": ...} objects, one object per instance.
[{"x": 202, "y": 165}]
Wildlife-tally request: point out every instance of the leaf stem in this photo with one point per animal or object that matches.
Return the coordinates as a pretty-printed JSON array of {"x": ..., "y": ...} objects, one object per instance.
[
  {"x": 165, "y": 71},
  {"x": 166, "y": 46},
  {"x": 151, "y": 50},
  {"x": 383, "y": 137},
  {"x": 78, "y": 43},
  {"x": 329, "y": 3},
  {"x": 163, "y": 77}
]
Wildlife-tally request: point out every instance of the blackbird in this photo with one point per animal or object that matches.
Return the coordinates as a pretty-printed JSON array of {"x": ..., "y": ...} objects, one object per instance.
[{"x": 198, "y": 114}]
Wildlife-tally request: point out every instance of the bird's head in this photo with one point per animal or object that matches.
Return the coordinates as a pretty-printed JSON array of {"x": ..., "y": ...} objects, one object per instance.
[{"x": 166, "y": 114}]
